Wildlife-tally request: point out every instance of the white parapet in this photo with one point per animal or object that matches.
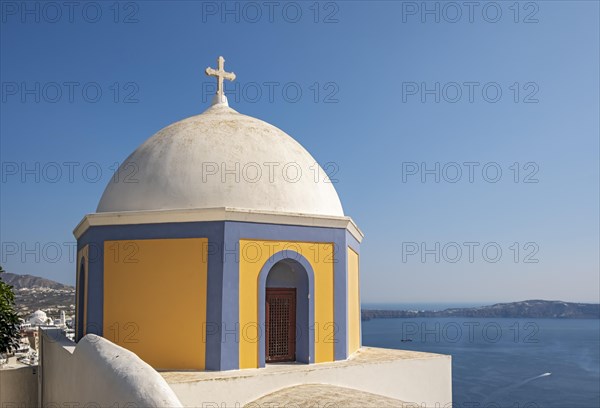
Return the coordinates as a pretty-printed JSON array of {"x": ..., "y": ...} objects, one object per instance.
[
  {"x": 18, "y": 385},
  {"x": 97, "y": 372},
  {"x": 420, "y": 379}
]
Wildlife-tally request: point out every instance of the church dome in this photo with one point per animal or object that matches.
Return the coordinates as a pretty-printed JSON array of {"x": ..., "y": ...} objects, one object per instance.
[
  {"x": 38, "y": 318},
  {"x": 221, "y": 158}
]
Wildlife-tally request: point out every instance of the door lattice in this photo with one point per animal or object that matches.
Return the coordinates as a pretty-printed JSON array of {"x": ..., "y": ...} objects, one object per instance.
[{"x": 281, "y": 325}]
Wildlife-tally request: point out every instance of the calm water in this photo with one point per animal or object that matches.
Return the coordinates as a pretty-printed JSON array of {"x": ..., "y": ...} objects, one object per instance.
[
  {"x": 505, "y": 362},
  {"x": 418, "y": 306}
]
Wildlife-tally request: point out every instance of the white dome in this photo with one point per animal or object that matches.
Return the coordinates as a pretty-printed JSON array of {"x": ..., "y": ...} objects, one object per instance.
[
  {"x": 38, "y": 318},
  {"x": 221, "y": 158}
]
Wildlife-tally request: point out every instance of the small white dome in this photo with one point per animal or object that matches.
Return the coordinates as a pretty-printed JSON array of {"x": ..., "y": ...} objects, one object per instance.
[
  {"x": 221, "y": 158},
  {"x": 38, "y": 318}
]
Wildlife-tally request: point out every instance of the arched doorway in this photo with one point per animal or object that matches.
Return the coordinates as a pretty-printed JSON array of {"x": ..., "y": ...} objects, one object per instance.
[{"x": 288, "y": 311}]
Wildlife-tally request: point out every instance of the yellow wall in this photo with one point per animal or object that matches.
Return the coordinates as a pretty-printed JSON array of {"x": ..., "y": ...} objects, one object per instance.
[
  {"x": 155, "y": 299},
  {"x": 253, "y": 255},
  {"x": 83, "y": 253},
  {"x": 353, "y": 302}
]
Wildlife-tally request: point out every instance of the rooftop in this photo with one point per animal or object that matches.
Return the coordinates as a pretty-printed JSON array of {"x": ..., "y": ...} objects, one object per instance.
[
  {"x": 364, "y": 356},
  {"x": 318, "y": 395},
  {"x": 371, "y": 377}
]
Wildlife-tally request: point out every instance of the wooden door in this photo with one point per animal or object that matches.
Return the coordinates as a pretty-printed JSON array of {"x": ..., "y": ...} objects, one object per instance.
[{"x": 280, "y": 316}]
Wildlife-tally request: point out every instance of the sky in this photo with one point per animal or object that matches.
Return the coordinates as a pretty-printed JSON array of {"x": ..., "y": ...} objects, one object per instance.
[{"x": 464, "y": 137}]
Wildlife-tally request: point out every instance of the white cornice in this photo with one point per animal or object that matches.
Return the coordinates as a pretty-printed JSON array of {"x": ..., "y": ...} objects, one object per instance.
[{"x": 215, "y": 214}]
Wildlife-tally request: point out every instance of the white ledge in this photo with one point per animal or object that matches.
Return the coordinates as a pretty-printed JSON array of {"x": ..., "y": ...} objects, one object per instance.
[{"x": 215, "y": 214}]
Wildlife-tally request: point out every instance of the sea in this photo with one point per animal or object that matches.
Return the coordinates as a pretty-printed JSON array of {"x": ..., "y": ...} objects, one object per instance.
[{"x": 502, "y": 362}]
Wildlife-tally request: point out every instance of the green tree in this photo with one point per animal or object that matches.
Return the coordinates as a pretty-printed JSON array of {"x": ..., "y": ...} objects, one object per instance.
[{"x": 9, "y": 319}]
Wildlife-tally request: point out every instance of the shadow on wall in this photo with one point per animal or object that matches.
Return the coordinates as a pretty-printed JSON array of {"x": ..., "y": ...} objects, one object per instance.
[{"x": 97, "y": 371}]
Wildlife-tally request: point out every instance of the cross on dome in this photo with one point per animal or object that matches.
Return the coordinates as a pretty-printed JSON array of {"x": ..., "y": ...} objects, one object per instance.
[{"x": 220, "y": 74}]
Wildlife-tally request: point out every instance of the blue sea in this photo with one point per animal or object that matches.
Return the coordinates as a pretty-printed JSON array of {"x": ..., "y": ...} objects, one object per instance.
[{"x": 516, "y": 363}]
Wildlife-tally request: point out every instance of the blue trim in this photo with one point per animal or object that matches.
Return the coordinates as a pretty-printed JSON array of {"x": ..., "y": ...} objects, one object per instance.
[
  {"x": 340, "y": 297},
  {"x": 80, "y": 298},
  {"x": 355, "y": 246},
  {"x": 222, "y": 312},
  {"x": 291, "y": 274},
  {"x": 262, "y": 283},
  {"x": 337, "y": 236},
  {"x": 214, "y": 231},
  {"x": 95, "y": 293},
  {"x": 214, "y": 301},
  {"x": 230, "y": 341}
]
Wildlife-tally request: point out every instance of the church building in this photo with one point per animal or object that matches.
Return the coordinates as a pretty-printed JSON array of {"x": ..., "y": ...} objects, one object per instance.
[{"x": 220, "y": 244}]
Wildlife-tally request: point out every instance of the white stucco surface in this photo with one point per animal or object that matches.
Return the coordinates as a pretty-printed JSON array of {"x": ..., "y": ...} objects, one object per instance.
[
  {"x": 38, "y": 318},
  {"x": 215, "y": 214},
  {"x": 424, "y": 379},
  {"x": 221, "y": 158},
  {"x": 325, "y": 395},
  {"x": 18, "y": 386},
  {"x": 97, "y": 372}
]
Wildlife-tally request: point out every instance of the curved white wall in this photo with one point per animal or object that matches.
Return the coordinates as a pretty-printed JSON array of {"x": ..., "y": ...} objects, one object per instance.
[{"x": 98, "y": 372}]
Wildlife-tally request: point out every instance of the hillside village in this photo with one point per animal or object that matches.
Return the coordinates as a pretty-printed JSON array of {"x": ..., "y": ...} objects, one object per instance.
[{"x": 33, "y": 293}]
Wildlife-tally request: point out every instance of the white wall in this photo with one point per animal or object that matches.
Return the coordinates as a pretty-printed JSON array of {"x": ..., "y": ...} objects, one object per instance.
[
  {"x": 18, "y": 387},
  {"x": 96, "y": 371},
  {"x": 426, "y": 382}
]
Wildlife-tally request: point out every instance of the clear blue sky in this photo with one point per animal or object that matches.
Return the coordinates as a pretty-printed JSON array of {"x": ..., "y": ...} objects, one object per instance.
[{"x": 376, "y": 58}]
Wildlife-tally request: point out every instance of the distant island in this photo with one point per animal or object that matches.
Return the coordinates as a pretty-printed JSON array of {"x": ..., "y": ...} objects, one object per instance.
[
  {"x": 34, "y": 292},
  {"x": 525, "y": 309}
]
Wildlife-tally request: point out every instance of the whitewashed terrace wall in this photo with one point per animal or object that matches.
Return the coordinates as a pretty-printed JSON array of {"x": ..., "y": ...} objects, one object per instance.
[
  {"x": 422, "y": 382},
  {"x": 97, "y": 373},
  {"x": 18, "y": 387}
]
